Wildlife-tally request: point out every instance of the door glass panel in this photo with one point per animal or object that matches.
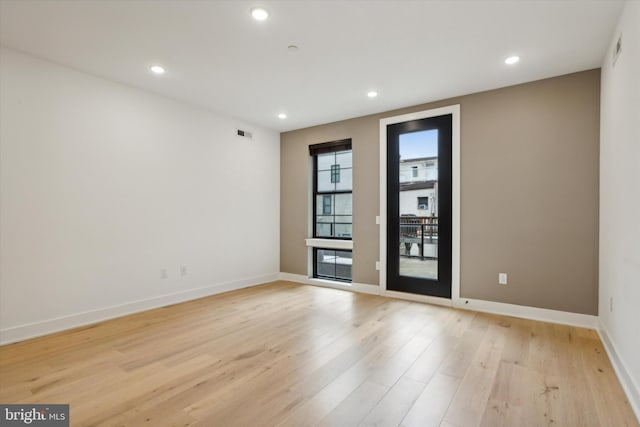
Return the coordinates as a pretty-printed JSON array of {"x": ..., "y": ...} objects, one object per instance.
[{"x": 418, "y": 199}]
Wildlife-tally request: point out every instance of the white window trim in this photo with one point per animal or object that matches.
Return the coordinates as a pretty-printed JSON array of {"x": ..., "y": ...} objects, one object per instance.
[
  {"x": 329, "y": 243},
  {"x": 454, "y": 110}
]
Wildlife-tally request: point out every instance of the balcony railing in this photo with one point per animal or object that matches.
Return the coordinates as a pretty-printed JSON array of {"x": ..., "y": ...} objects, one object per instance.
[{"x": 420, "y": 230}]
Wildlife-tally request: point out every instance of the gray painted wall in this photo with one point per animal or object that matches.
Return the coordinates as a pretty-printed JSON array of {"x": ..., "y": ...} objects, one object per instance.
[{"x": 529, "y": 192}]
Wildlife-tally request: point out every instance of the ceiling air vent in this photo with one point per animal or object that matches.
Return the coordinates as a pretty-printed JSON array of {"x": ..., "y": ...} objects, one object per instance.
[{"x": 244, "y": 133}]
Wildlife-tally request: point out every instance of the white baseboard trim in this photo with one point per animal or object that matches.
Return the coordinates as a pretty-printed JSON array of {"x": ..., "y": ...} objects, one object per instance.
[
  {"x": 36, "y": 329},
  {"x": 630, "y": 386},
  {"x": 419, "y": 298},
  {"x": 526, "y": 312}
]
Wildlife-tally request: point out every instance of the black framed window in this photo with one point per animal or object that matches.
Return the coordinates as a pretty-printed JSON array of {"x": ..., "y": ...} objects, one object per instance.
[
  {"x": 332, "y": 190},
  {"x": 332, "y": 207},
  {"x": 332, "y": 264}
]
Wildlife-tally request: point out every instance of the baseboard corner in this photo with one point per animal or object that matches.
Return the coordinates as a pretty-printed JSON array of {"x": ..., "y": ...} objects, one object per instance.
[{"x": 629, "y": 385}]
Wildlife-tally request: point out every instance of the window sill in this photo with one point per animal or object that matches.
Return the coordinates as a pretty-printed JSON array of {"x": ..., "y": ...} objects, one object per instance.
[
  {"x": 329, "y": 283},
  {"x": 329, "y": 243}
]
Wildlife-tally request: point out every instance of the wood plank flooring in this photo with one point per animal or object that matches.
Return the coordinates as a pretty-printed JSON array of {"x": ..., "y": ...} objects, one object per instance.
[{"x": 284, "y": 354}]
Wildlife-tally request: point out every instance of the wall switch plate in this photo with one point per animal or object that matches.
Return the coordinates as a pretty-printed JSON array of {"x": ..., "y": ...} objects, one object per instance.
[
  {"x": 378, "y": 219},
  {"x": 502, "y": 278},
  {"x": 378, "y": 265}
]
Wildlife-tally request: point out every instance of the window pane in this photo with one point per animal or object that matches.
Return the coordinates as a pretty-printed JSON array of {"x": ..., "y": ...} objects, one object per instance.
[
  {"x": 341, "y": 226},
  {"x": 324, "y": 181},
  {"x": 326, "y": 160},
  {"x": 323, "y": 230},
  {"x": 324, "y": 205},
  {"x": 343, "y": 158},
  {"x": 419, "y": 145},
  {"x": 345, "y": 256},
  {"x": 343, "y": 230},
  {"x": 343, "y": 265},
  {"x": 345, "y": 180},
  {"x": 333, "y": 264},
  {"x": 418, "y": 232},
  {"x": 343, "y": 204},
  {"x": 325, "y": 262}
]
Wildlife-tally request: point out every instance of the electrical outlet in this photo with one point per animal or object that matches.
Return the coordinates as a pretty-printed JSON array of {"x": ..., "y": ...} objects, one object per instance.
[
  {"x": 183, "y": 270},
  {"x": 163, "y": 273},
  {"x": 502, "y": 278}
]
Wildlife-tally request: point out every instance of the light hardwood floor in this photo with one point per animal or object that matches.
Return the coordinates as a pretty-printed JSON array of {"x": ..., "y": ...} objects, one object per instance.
[{"x": 283, "y": 354}]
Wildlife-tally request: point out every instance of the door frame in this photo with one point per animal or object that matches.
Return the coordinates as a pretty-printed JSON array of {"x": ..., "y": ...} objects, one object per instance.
[{"x": 454, "y": 110}]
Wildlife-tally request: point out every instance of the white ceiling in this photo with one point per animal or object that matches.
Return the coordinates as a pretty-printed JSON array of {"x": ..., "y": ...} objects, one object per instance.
[{"x": 218, "y": 57}]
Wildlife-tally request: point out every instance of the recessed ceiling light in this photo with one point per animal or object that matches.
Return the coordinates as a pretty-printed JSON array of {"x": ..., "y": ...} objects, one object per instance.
[
  {"x": 282, "y": 116},
  {"x": 512, "y": 60},
  {"x": 372, "y": 94},
  {"x": 259, "y": 14},
  {"x": 157, "y": 69}
]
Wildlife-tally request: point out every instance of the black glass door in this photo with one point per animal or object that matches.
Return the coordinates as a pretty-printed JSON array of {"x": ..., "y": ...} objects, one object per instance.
[{"x": 419, "y": 206}]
